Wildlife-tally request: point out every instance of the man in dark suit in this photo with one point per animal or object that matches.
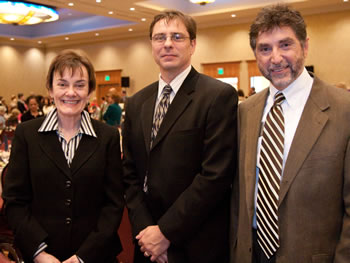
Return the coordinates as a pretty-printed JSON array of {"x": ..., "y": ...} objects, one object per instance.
[
  {"x": 178, "y": 177},
  {"x": 293, "y": 206},
  {"x": 21, "y": 104}
]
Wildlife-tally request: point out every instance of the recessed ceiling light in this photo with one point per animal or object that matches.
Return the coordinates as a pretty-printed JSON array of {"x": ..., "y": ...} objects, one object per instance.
[
  {"x": 39, "y": 42},
  {"x": 97, "y": 34},
  {"x": 130, "y": 29},
  {"x": 98, "y": 1},
  {"x": 12, "y": 39},
  {"x": 66, "y": 38},
  {"x": 143, "y": 19},
  {"x": 132, "y": 8},
  {"x": 110, "y": 12},
  {"x": 346, "y": 0},
  {"x": 71, "y": 4},
  {"x": 233, "y": 15}
]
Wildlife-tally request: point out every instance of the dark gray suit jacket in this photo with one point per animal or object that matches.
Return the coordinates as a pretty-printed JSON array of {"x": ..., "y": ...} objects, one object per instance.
[
  {"x": 75, "y": 210},
  {"x": 314, "y": 202},
  {"x": 190, "y": 167}
]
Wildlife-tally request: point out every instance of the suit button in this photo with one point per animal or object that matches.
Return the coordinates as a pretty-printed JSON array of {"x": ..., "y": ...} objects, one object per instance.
[
  {"x": 68, "y": 184},
  {"x": 68, "y": 221},
  {"x": 68, "y": 202}
]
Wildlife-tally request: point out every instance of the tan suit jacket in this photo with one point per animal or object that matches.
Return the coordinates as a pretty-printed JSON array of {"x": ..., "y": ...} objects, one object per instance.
[{"x": 314, "y": 203}]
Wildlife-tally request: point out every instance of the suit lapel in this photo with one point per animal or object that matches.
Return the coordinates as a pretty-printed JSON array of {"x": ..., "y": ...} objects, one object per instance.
[
  {"x": 147, "y": 116},
  {"x": 50, "y": 145},
  {"x": 311, "y": 124},
  {"x": 178, "y": 105},
  {"x": 87, "y": 146},
  {"x": 253, "y": 132}
]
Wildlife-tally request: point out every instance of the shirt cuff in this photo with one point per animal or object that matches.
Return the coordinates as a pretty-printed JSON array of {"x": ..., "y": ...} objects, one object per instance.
[{"x": 41, "y": 248}]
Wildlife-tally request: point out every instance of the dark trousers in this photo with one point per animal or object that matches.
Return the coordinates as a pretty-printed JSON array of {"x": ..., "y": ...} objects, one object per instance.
[
  {"x": 258, "y": 254},
  {"x": 139, "y": 256}
]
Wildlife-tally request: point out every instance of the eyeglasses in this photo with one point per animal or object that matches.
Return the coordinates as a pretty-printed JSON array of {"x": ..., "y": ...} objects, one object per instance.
[{"x": 175, "y": 37}]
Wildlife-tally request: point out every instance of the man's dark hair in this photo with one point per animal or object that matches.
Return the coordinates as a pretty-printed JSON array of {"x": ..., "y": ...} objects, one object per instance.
[
  {"x": 277, "y": 16},
  {"x": 170, "y": 15}
]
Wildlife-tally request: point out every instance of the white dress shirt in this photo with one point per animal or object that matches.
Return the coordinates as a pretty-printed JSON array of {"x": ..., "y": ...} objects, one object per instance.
[
  {"x": 175, "y": 85},
  {"x": 296, "y": 95}
]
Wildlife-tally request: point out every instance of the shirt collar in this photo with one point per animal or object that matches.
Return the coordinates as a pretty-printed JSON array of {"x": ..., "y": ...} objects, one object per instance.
[
  {"x": 50, "y": 123},
  {"x": 175, "y": 83},
  {"x": 297, "y": 91}
]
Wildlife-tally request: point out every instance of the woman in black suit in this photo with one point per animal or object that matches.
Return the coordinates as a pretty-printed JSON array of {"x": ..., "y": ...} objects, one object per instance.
[{"x": 63, "y": 190}]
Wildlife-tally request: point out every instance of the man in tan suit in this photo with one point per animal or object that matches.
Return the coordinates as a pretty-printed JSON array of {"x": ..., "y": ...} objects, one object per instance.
[{"x": 308, "y": 219}]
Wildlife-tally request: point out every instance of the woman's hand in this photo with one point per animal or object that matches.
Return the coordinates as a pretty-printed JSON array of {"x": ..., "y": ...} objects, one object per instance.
[{"x": 44, "y": 257}]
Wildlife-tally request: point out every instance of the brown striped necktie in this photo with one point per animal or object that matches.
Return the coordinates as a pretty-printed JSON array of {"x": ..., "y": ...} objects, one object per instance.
[{"x": 270, "y": 172}]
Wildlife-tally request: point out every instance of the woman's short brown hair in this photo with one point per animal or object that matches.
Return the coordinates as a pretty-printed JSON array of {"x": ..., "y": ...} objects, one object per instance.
[{"x": 69, "y": 59}]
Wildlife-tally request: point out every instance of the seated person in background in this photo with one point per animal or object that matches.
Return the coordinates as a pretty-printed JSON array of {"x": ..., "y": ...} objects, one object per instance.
[
  {"x": 95, "y": 112},
  {"x": 13, "y": 119},
  {"x": 2, "y": 118},
  {"x": 113, "y": 114},
  {"x": 48, "y": 106},
  {"x": 241, "y": 96},
  {"x": 13, "y": 103},
  {"x": 63, "y": 190},
  {"x": 3, "y": 137},
  {"x": 33, "y": 109}
]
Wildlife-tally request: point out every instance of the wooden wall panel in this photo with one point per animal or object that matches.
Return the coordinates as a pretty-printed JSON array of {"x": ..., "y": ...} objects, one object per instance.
[
  {"x": 231, "y": 69},
  {"x": 253, "y": 69},
  {"x": 103, "y": 86}
]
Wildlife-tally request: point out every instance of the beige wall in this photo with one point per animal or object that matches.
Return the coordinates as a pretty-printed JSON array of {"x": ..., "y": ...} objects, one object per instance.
[{"x": 24, "y": 69}]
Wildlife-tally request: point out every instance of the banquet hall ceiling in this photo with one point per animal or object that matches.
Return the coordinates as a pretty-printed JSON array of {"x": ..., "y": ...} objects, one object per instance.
[{"x": 91, "y": 21}]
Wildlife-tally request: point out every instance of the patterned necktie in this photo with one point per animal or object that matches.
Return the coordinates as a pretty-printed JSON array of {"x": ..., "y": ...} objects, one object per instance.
[
  {"x": 270, "y": 172},
  {"x": 161, "y": 110}
]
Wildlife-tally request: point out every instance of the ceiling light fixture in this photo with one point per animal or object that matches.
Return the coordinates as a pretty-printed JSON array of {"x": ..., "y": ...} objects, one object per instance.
[
  {"x": 202, "y": 2},
  {"x": 132, "y": 8},
  {"x": 22, "y": 13}
]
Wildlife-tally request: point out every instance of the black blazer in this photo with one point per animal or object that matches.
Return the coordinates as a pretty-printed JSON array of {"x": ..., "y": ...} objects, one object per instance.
[
  {"x": 75, "y": 210},
  {"x": 190, "y": 167}
]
